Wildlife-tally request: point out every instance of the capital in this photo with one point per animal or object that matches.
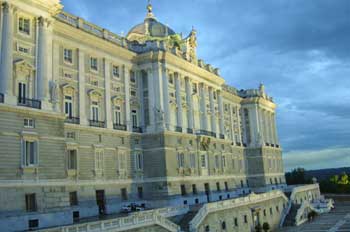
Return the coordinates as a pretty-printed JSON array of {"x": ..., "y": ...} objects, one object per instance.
[{"x": 7, "y": 8}]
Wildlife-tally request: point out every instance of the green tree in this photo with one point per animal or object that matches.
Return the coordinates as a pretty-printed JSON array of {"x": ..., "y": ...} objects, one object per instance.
[
  {"x": 297, "y": 176},
  {"x": 266, "y": 226},
  {"x": 334, "y": 179},
  {"x": 344, "y": 179}
]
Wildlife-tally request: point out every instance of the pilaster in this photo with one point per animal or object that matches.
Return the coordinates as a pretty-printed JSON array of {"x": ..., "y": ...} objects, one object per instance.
[
  {"x": 203, "y": 111},
  {"x": 178, "y": 100},
  {"x": 221, "y": 113},
  {"x": 82, "y": 91},
  {"x": 108, "y": 107},
  {"x": 126, "y": 76},
  {"x": 189, "y": 100},
  {"x": 151, "y": 102},
  {"x": 212, "y": 110},
  {"x": 42, "y": 60},
  {"x": 166, "y": 97}
]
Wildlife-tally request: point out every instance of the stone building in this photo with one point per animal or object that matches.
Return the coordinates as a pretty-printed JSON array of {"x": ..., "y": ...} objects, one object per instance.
[{"x": 91, "y": 121}]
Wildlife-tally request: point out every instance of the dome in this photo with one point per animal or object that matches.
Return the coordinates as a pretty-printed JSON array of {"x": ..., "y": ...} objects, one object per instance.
[{"x": 149, "y": 28}]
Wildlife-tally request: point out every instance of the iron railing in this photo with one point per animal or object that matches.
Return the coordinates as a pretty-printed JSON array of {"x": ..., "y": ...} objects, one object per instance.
[
  {"x": 222, "y": 136},
  {"x": 178, "y": 129},
  {"x": 206, "y": 133},
  {"x": 119, "y": 127},
  {"x": 189, "y": 131},
  {"x": 137, "y": 129},
  {"x": 95, "y": 123},
  {"x": 72, "y": 120},
  {"x": 31, "y": 103}
]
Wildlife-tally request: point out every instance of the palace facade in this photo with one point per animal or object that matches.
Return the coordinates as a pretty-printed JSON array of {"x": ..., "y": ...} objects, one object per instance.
[{"x": 91, "y": 121}]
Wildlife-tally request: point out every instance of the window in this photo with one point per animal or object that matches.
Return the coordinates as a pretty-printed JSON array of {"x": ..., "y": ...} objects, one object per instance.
[
  {"x": 72, "y": 160},
  {"x": 192, "y": 160},
  {"x": 68, "y": 75},
  {"x": 194, "y": 88},
  {"x": 115, "y": 71},
  {"x": 70, "y": 135},
  {"x": 23, "y": 50},
  {"x": 203, "y": 161},
  {"x": 133, "y": 93},
  {"x": 22, "y": 92},
  {"x": 68, "y": 106},
  {"x": 271, "y": 211},
  {"x": 140, "y": 192},
  {"x": 124, "y": 194},
  {"x": 277, "y": 208},
  {"x": 33, "y": 224},
  {"x": 242, "y": 184},
  {"x": 73, "y": 198},
  {"x": 236, "y": 222},
  {"x": 223, "y": 225},
  {"x": 217, "y": 161},
  {"x": 99, "y": 160},
  {"x": 68, "y": 56},
  {"x": 117, "y": 113},
  {"x": 29, "y": 123},
  {"x": 226, "y": 186},
  {"x": 94, "y": 111},
  {"x": 223, "y": 161},
  {"x": 207, "y": 228},
  {"x": 194, "y": 189},
  {"x": 218, "y": 186},
  {"x": 31, "y": 202},
  {"x": 24, "y": 25},
  {"x": 139, "y": 161},
  {"x": 245, "y": 219},
  {"x": 183, "y": 190},
  {"x": 171, "y": 79},
  {"x": 30, "y": 150},
  {"x": 132, "y": 77},
  {"x": 134, "y": 118},
  {"x": 264, "y": 212},
  {"x": 94, "y": 64},
  {"x": 181, "y": 160},
  {"x": 233, "y": 163}
]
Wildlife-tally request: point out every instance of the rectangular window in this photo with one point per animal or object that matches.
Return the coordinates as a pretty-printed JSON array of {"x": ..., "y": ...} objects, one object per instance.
[
  {"x": 29, "y": 123},
  {"x": 264, "y": 212},
  {"x": 23, "y": 50},
  {"x": 29, "y": 153},
  {"x": 194, "y": 189},
  {"x": 217, "y": 161},
  {"x": 203, "y": 161},
  {"x": 68, "y": 75},
  {"x": 245, "y": 219},
  {"x": 98, "y": 160},
  {"x": 72, "y": 160},
  {"x": 73, "y": 198},
  {"x": 132, "y": 77},
  {"x": 183, "y": 190},
  {"x": 31, "y": 205},
  {"x": 271, "y": 211},
  {"x": 218, "y": 186},
  {"x": 94, "y": 111},
  {"x": 139, "y": 161},
  {"x": 115, "y": 71},
  {"x": 124, "y": 194},
  {"x": 24, "y": 25},
  {"x": 118, "y": 118},
  {"x": 134, "y": 118},
  {"x": 226, "y": 186},
  {"x": 193, "y": 160},
  {"x": 236, "y": 222},
  {"x": 194, "y": 88},
  {"x": 133, "y": 93},
  {"x": 94, "y": 64},
  {"x": 223, "y": 161},
  {"x": 180, "y": 160},
  {"x": 68, "y": 106},
  {"x": 68, "y": 55},
  {"x": 140, "y": 192},
  {"x": 33, "y": 224},
  {"x": 22, "y": 92}
]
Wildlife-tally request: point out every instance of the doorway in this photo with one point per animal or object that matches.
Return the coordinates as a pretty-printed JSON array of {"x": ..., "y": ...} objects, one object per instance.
[
  {"x": 207, "y": 191},
  {"x": 101, "y": 202}
]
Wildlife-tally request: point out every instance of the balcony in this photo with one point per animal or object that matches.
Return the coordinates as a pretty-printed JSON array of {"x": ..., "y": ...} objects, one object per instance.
[
  {"x": 120, "y": 127},
  {"x": 267, "y": 144},
  {"x": 137, "y": 129},
  {"x": 278, "y": 146},
  {"x": 238, "y": 144},
  {"x": 72, "y": 120},
  {"x": 206, "y": 133},
  {"x": 97, "y": 124},
  {"x": 2, "y": 98},
  {"x": 222, "y": 136},
  {"x": 189, "y": 131},
  {"x": 178, "y": 129},
  {"x": 31, "y": 103}
]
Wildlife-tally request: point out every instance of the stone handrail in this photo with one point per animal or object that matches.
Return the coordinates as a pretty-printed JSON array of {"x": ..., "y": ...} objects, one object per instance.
[
  {"x": 296, "y": 190},
  {"x": 135, "y": 220},
  {"x": 232, "y": 203}
]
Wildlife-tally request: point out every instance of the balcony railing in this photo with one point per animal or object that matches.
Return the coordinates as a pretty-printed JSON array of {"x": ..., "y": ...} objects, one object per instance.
[
  {"x": 2, "y": 98},
  {"x": 178, "y": 129},
  {"x": 278, "y": 146},
  {"x": 137, "y": 129},
  {"x": 222, "y": 136},
  {"x": 97, "y": 124},
  {"x": 189, "y": 131},
  {"x": 239, "y": 144},
  {"x": 31, "y": 103},
  {"x": 267, "y": 144},
  {"x": 72, "y": 120},
  {"x": 206, "y": 133},
  {"x": 119, "y": 127}
]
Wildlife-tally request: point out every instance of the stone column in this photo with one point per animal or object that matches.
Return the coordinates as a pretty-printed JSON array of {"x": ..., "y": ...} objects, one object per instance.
[
  {"x": 267, "y": 124},
  {"x": 82, "y": 91},
  {"x": 189, "y": 103},
  {"x": 239, "y": 140},
  {"x": 203, "y": 108},
  {"x": 270, "y": 122},
  {"x": 42, "y": 60},
  {"x": 274, "y": 128},
  {"x": 232, "y": 124},
  {"x": 141, "y": 97},
  {"x": 254, "y": 125},
  {"x": 178, "y": 100},
  {"x": 108, "y": 106},
  {"x": 212, "y": 110},
  {"x": 6, "y": 65},
  {"x": 166, "y": 97},
  {"x": 221, "y": 113},
  {"x": 126, "y": 76}
]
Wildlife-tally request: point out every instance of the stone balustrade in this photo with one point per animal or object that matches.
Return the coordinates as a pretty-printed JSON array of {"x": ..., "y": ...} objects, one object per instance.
[{"x": 233, "y": 203}]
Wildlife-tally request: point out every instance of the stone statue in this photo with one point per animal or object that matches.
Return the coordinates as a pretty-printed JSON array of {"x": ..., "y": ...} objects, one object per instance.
[
  {"x": 159, "y": 115},
  {"x": 54, "y": 91},
  {"x": 192, "y": 41}
]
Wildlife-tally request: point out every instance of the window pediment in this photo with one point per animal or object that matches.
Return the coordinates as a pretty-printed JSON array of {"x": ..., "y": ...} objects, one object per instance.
[
  {"x": 95, "y": 95},
  {"x": 68, "y": 89},
  {"x": 117, "y": 100}
]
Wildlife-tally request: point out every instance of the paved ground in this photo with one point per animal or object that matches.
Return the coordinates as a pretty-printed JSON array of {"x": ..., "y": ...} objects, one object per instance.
[{"x": 336, "y": 221}]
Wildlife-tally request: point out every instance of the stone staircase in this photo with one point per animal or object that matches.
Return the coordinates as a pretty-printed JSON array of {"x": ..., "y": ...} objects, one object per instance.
[
  {"x": 184, "y": 220},
  {"x": 290, "y": 219}
]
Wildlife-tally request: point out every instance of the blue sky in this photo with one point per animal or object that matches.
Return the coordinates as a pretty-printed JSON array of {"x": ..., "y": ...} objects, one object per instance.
[{"x": 299, "y": 49}]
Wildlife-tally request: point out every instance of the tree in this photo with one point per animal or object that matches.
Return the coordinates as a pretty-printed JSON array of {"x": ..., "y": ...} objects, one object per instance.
[
  {"x": 334, "y": 179},
  {"x": 297, "y": 176},
  {"x": 344, "y": 179},
  {"x": 258, "y": 228},
  {"x": 266, "y": 226}
]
